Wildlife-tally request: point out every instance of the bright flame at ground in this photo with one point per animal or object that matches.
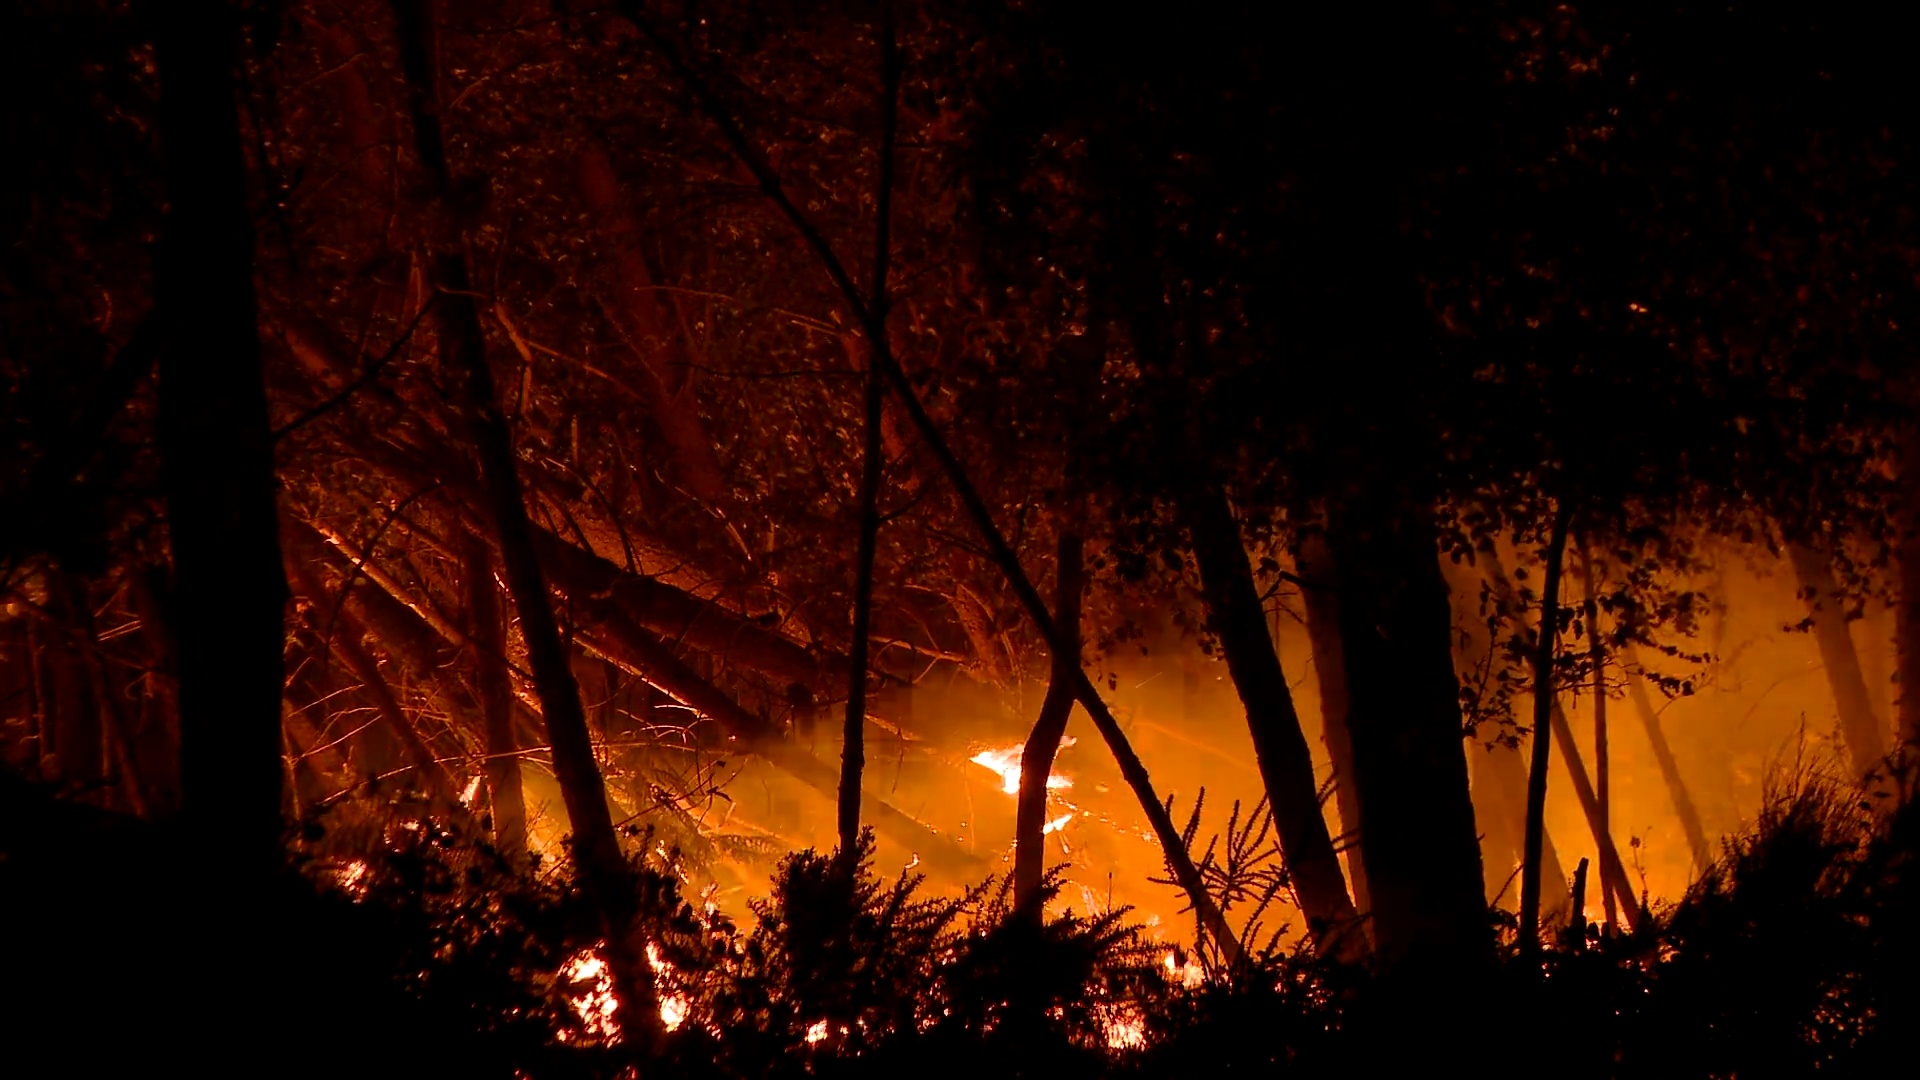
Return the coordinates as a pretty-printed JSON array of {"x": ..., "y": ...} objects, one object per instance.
[
  {"x": 1126, "y": 1029},
  {"x": 1181, "y": 969},
  {"x": 596, "y": 1004},
  {"x": 1006, "y": 762},
  {"x": 1057, "y": 823},
  {"x": 673, "y": 1007}
]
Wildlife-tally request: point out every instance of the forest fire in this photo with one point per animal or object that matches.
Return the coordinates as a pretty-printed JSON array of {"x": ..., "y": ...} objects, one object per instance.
[
  {"x": 487, "y": 486},
  {"x": 1006, "y": 762}
]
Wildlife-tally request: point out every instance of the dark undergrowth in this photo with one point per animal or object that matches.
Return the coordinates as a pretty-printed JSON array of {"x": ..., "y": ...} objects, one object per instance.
[{"x": 393, "y": 946}]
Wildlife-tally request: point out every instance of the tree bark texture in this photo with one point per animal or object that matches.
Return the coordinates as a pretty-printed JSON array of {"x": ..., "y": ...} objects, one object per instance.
[
  {"x": 217, "y": 453},
  {"x": 1418, "y": 841},
  {"x": 1238, "y": 621},
  {"x": 1043, "y": 742}
]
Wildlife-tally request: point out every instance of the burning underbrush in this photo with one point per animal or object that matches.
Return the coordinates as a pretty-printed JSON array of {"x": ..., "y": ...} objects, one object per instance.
[{"x": 404, "y": 945}]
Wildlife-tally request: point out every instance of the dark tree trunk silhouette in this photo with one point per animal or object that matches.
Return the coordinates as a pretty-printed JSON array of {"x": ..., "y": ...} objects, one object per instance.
[
  {"x": 1043, "y": 742},
  {"x": 1238, "y": 621},
  {"x": 595, "y": 845},
  {"x": 1330, "y": 668},
  {"x": 488, "y": 630},
  {"x": 1613, "y": 876},
  {"x": 216, "y": 453},
  {"x": 853, "y": 757},
  {"x": 1602, "y": 759},
  {"x": 1544, "y": 643},
  {"x": 1859, "y": 727},
  {"x": 1179, "y": 860},
  {"x": 1418, "y": 842}
]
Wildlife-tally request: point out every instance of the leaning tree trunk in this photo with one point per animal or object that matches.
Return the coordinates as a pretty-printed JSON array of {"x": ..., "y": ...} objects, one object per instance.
[
  {"x": 1859, "y": 727},
  {"x": 1683, "y": 807},
  {"x": 216, "y": 452},
  {"x": 1236, "y": 617},
  {"x": 1418, "y": 841},
  {"x": 1323, "y": 632},
  {"x": 596, "y": 847},
  {"x": 488, "y": 631},
  {"x": 1043, "y": 742}
]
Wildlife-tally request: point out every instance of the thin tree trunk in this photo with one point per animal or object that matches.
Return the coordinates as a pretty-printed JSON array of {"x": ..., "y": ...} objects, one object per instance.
[
  {"x": 853, "y": 757},
  {"x": 1602, "y": 761},
  {"x": 1859, "y": 727},
  {"x": 1179, "y": 859},
  {"x": 488, "y": 632},
  {"x": 1323, "y": 632},
  {"x": 217, "y": 454},
  {"x": 853, "y": 754},
  {"x": 1545, "y": 641},
  {"x": 1043, "y": 742},
  {"x": 596, "y": 847},
  {"x": 1683, "y": 806},
  {"x": 1613, "y": 875},
  {"x": 1418, "y": 841},
  {"x": 1235, "y": 615}
]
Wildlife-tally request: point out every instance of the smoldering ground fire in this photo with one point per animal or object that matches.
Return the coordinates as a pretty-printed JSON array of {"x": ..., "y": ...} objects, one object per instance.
[{"x": 547, "y": 539}]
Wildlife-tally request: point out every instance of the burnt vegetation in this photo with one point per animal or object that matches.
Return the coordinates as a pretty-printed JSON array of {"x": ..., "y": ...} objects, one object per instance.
[{"x": 550, "y": 539}]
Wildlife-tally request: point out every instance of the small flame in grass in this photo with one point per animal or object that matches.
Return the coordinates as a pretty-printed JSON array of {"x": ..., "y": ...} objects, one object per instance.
[
  {"x": 594, "y": 1003},
  {"x": 673, "y": 1007},
  {"x": 1057, "y": 823},
  {"x": 1180, "y": 968},
  {"x": 467, "y": 793},
  {"x": 1126, "y": 1029},
  {"x": 1006, "y": 762}
]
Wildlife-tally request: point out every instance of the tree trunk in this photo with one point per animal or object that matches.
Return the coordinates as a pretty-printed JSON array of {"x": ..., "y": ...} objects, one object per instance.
[
  {"x": 1859, "y": 727},
  {"x": 1683, "y": 806},
  {"x": 1235, "y": 615},
  {"x": 1418, "y": 842},
  {"x": 217, "y": 454},
  {"x": 1043, "y": 742},
  {"x": 1179, "y": 860},
  {"x": 853, "y": 753},
  {"x": 596, "y": 847},
  {"x": 1323, "y": 632},
  {"x": 1545, "y": 641},
  {"x": 488, "y": 631},
  {"x": 1602, "y": 759}
]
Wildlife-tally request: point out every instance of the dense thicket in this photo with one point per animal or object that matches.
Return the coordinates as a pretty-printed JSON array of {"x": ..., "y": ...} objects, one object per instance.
[{"x": 478, "y": 451}]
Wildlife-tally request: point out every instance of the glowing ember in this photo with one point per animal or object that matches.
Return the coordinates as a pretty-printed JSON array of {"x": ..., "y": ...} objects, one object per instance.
[
  {"x": 817, "y": 1033},
  {"x": 1006, "y": 762},
  {"x": 351, "y": 878}
]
